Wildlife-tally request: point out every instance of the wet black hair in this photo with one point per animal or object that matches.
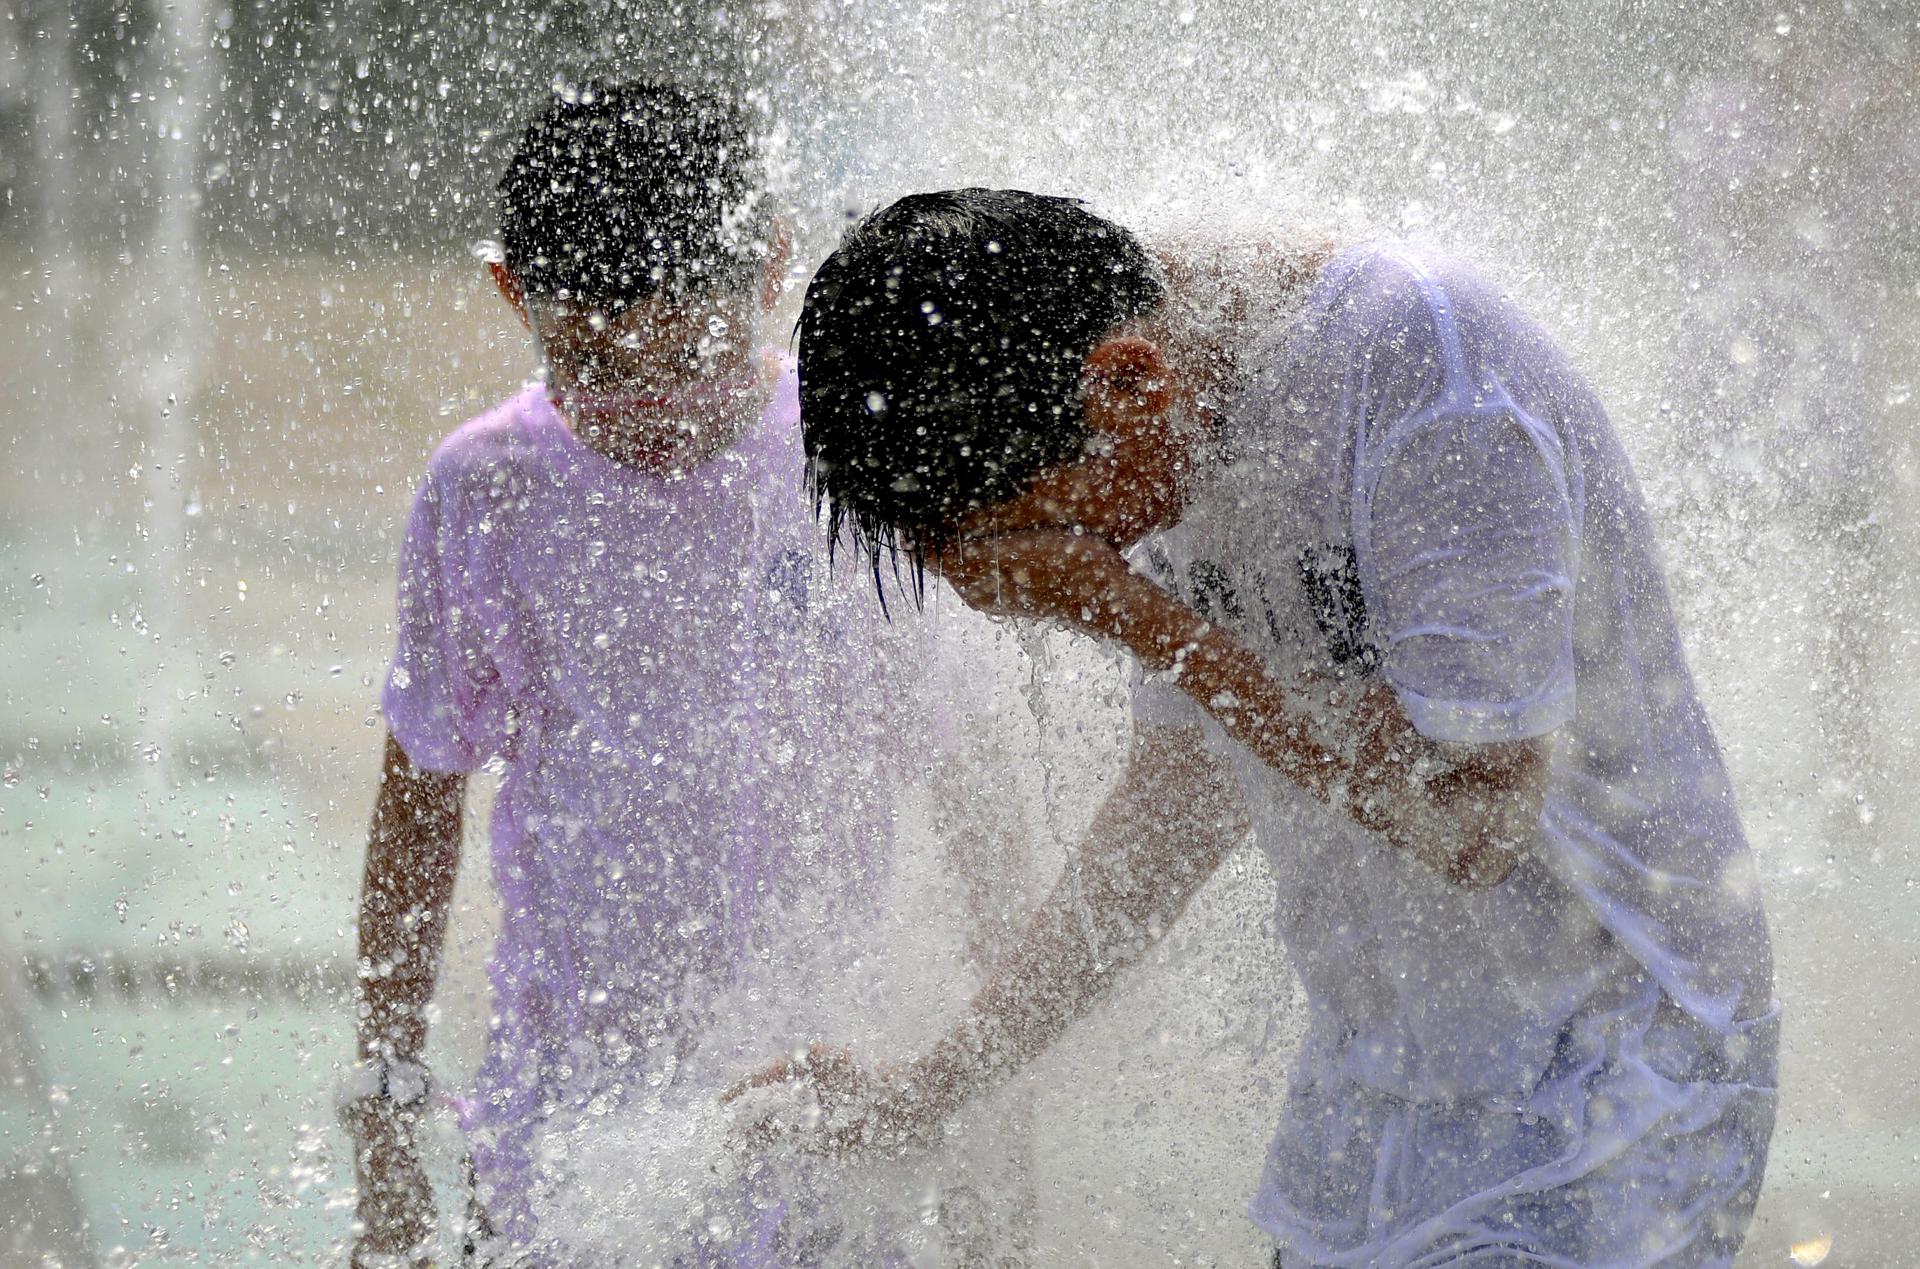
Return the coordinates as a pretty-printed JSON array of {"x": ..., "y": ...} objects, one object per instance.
[
  {"x": 941, "y": 352},
  {"x": 620, "y": 191}
]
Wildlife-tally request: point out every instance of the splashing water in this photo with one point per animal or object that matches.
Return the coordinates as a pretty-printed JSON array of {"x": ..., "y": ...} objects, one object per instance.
[
  {"x": 642, "y": 1185},
  {"x": 240, "y": 330}
]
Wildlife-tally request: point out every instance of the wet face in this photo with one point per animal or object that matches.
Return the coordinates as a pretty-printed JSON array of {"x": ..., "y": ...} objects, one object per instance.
[
  {"x": 661, "y": 385},
  {"x": 655, "y": 347},
  {"x": 1147, "y": 450},
  {"x": 658, "y": 384}
]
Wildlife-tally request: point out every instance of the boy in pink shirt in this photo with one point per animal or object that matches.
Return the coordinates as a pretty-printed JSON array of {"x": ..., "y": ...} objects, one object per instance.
[{"x": 611, "y": 583}]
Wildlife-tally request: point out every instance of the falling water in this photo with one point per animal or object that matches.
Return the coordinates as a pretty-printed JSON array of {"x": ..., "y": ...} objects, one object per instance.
[
  {"x": 242, "y": 313},
  {"x": 166, "y": 369}
]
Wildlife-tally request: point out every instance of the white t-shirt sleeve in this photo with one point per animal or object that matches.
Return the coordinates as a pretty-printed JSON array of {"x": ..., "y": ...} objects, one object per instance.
[{"x": 1467, "y": 542}]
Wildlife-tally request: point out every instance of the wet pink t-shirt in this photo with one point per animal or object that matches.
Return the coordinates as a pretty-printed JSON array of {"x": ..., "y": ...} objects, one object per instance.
[{"x": 663, "y": 666}]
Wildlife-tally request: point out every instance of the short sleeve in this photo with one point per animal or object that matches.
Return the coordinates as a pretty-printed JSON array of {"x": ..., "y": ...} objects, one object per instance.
[
  {"x": 1467, "y": 539},
  {"x": 444, "y": 699}
]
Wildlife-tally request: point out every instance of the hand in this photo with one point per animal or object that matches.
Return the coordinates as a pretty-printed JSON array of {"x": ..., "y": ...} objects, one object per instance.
[
  {"x": 1452, "y": 807},
  {"x": 839, "y": 1109},
  {"x": 395, "y": 1215},
  {"x": 1048, "y": 574}
]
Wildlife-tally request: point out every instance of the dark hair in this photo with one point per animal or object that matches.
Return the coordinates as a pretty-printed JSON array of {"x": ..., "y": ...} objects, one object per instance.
[
  {"x": 620, "y": 191},
  {"x": 941, "y": 350}
]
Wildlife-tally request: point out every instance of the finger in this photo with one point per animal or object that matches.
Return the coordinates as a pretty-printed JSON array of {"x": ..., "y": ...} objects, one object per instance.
[
  {"x": 822, "y": 1056},
  {"x": 972, "y": 556},
  {"x": 760, "y": 1134},
  {"x": 756, "y": 1080},
  {"x": 779, "y": 1071}
]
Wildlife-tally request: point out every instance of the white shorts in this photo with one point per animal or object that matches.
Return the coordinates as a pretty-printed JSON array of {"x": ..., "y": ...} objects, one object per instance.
[{"x": 1644, "y": 1142}]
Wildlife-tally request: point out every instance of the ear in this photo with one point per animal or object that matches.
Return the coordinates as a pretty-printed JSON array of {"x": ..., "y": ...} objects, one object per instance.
[
  {"x": 1125, "y": 386},
  {"x": 511, "y": 289},
  {"x": 773, "y": 271}
]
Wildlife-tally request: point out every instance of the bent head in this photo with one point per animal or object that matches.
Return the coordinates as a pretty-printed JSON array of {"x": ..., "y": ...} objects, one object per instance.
[
  {"x": 636, "y": 243},
  {"x": 979, "y": 361}
]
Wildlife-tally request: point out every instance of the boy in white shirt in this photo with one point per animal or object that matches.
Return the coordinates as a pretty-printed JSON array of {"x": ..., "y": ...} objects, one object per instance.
[{"x": 1396, "y": 607}]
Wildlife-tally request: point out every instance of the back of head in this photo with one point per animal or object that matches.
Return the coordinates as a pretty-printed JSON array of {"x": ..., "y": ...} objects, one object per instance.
[
  {"x": 941, "y": 350},
  {"x": 618, "y": 192}
]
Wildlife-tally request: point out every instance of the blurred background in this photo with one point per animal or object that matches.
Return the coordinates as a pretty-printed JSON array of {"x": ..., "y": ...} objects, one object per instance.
[{"x": 242, "y": 304}]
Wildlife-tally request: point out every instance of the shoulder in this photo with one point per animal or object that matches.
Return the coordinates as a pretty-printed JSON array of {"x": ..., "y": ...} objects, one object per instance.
[
  {"x": 1444, "y": 321},
  {"x": 1398, "y": 289},
  {"x": 491, "y": 453}
]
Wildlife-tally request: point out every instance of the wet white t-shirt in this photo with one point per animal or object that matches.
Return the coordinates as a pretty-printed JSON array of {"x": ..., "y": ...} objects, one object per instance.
[{"x": 1419, "y": 487}]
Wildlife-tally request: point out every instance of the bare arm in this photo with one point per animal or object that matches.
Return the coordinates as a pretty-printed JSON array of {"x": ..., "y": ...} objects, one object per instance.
[
  {"x": 1157, "y": 838},
  {"x": 1464, "y": 809},
  {"x": 1176, "y": 814},
  {"x": 413, "y": 854}
]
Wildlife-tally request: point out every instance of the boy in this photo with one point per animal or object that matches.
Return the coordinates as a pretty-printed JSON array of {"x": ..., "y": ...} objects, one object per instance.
[
  {"x": 1400, "y": 615},
  {"x": 607, "y": 583}
]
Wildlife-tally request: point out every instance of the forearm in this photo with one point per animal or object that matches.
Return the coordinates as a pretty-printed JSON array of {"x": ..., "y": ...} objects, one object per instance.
[
  {"x": 1150, "y": 848},
  {"x": 1464, "y": 809},
  {"x": 1231, "y": 683},
  {"x": 1051, "y": 977},
  {"x": 1350, "y": 745},
  {"x": 413, "y": 854}
]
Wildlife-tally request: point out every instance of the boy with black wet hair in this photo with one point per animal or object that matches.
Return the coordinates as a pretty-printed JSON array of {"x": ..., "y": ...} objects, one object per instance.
[
  {"x": 1395, "y": 607},
  {"x": 607, "y": 584}
]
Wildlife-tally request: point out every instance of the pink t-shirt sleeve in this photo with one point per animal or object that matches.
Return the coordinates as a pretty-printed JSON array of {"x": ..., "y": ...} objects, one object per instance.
[{"x": 445, "y": 700}]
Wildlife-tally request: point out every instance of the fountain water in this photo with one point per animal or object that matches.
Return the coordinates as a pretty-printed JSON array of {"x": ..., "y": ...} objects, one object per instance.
[{"x": 246, "y": 227}]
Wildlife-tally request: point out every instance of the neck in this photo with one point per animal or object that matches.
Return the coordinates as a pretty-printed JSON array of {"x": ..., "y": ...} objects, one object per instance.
[{"x": 1225, "y": 294}]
